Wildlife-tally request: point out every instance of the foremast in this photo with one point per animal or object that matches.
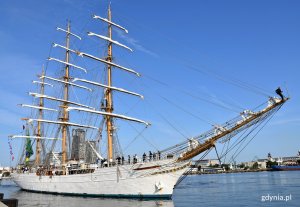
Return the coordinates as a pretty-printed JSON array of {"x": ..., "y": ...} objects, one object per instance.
[{"x": 39, "y": 124}]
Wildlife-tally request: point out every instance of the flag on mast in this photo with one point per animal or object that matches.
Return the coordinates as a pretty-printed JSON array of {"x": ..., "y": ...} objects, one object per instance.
[{"x": 28, "y": 147}]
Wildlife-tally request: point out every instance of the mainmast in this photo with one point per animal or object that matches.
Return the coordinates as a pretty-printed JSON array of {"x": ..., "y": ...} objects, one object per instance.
[
  {"x": 39, "y": 124},
  {"x": 107, "y": 109},
  {"x": 65, "y": 117},
  {"x": 108, "y": 94}
]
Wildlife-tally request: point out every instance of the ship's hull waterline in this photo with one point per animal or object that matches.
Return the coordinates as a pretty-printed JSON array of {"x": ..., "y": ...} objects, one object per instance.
[{"x": 115, "y": 182}]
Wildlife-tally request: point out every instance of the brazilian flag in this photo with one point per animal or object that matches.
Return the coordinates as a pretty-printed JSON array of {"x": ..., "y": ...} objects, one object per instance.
[{"x": 28, "y": 148}]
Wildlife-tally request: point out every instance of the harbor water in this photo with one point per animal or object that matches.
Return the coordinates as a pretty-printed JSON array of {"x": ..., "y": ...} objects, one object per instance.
[{"x": 231, "y": 189}]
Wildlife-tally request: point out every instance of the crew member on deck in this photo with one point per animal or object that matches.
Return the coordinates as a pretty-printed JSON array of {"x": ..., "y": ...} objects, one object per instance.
[
  {"x": 119, "y": 160},
  {"x": 279, "y": 92},
  {"x": 150, "y": 155}
]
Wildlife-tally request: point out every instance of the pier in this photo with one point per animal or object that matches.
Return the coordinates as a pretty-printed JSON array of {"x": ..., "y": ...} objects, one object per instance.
[{"x": 11, "y": 202}]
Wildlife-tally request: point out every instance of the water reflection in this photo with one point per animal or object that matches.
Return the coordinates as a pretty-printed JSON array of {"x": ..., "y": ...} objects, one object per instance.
[{"x": 47, "y": 200}]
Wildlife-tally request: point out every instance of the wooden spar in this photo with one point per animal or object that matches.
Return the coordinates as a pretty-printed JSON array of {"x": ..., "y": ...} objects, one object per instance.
[
  {"x": 110, "y": 22},
  {"x": 83, "y": 54},
  {"x": 65, "y": 117},
  {"x": 108, "y": 95},
  {"x": 110, "y": 40},
  {"x": 60, "y": 100},
  {"x": 109, "y": 114},
  {"x": 211, "y": 142},
  {"x": 75, "y": 35},
  {"x": 68, "y": 63},
  {"x": 62, "y": 123},
  {"x": 105, "y": 86},
  {"x": 33, "y": 137},
  {"x": 39, "y": 82},
  {"x": 66, "y": 82},
  {"x": 37, "y": 107},
  {"x": 39, "y": 124}
]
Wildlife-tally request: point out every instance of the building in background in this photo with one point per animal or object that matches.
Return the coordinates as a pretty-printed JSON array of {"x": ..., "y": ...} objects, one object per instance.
[{"x": 78, "y": 145}]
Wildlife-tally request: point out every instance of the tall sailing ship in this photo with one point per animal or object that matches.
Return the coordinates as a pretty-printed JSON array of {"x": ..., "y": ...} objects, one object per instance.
[{"x": 74, "y": 166}]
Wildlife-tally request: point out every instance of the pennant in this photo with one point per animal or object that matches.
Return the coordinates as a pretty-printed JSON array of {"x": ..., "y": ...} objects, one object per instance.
[{"x": 10, "y": 151}]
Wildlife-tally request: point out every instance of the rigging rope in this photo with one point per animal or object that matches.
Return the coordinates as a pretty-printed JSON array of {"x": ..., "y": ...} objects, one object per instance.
[
  {"x": 233, "y": 81},
  {"x": 256, "y": 133},
  {"x": 191, "y": 95},
  {"x": 166, "y": 120},
  {"x": 188, "y": 171}
]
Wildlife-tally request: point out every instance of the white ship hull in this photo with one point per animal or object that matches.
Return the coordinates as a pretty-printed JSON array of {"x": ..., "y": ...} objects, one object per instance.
[{"x": 120, "y": 181}]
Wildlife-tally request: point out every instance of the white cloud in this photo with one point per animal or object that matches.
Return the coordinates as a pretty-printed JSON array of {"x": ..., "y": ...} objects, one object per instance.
[
  {"x": 287, "y": 121},
  {"x": 135, "y": 43},
  {"x": 214, "y": 99}
]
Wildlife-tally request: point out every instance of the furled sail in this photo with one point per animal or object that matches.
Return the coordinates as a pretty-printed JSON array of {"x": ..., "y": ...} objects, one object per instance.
[
  {"x": 37, "y": 107},
  {"x": 110, "y": 40},
  {"x": 109, "y": 87},
  {"x": 108, "y": 114},
  {"x": 98, "y": 59},
  {"x": 66, "y": 63},
  {"x": 33, "y": 137},
  {"x": 57, "y": 99},
  {"x": 110, "y": 22},
  {"x": 62, "y": 123},
  {"x": 39, "y": 82},
  {"x": 75, "y": 35},
  {"x": 66, "y": 82}
]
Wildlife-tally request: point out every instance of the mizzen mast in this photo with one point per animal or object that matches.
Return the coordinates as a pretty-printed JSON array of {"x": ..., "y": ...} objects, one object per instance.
[{"x": 65, "y": 115}]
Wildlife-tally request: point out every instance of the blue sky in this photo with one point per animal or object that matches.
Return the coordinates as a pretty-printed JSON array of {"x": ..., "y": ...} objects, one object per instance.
[{"x": 256, "y": 42}]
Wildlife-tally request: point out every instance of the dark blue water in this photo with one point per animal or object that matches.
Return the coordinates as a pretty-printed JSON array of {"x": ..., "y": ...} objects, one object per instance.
[{"x": 236, "y": 189}]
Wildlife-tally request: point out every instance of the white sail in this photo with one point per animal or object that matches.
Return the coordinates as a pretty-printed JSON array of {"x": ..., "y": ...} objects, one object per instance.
[
  {"x": 108, "y": 114},
  {"x": 109, "y": 87},
  {"x": 66, "y": 82},
  {"x": 110, "y": 22},
  {"x": 95, "y": 151},
  {"x": 57, "y": 99},
  {"x": 33, "y": 137},
  {"x": 39, "y": 82},
  {"x": 75, "y": 35},
  {"x": 62, "y": 122},
  {"x": 70, "y": 64},
  {"x": 37, "y": 107},
  {"x": 98, "y": 59},
  {"x": 110, "y": 40}
]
